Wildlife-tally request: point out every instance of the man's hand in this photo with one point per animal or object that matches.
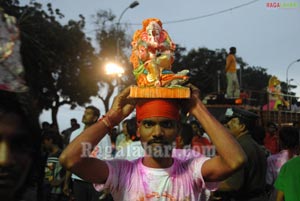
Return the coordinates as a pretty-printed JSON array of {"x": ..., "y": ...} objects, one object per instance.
[
  {"x": 66, "y": 190},
  {"x": 190, "y": 104},
  {"x": 122, "y": 106}
]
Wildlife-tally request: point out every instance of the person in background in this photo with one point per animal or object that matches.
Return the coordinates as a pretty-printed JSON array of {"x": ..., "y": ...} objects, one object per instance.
[
  {"x": 45, "y": 126},
  {"x": 122, "y": 136},
  {"x": 199, "y": 142},
  {"x": 289, "y": 143},
  {"x": 233, "y": 87},
  {"x": 133, "y": 148},
  {"x": 185, "y": 136},
  {"x": 54, "y": 172},
  {"x": 271, "y": 141},
  {"x": 288, "y": 181},
  {"x": 157, "y": 175},
  {"x": 113, "y": 137},
  {"x": 82, "y": 189},
  {"x": 130, "y": 133},
  {"x": 244, "y": 96},
  {"x": 67, "y": 133},
  {"x": 20, "y": 161},
  {"x": 248, "y": 184},
  {"x": 259, "y": 134}
]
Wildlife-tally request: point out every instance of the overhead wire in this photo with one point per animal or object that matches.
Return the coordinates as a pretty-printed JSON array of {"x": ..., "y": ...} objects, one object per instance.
[{"x": 203, "y": 16}]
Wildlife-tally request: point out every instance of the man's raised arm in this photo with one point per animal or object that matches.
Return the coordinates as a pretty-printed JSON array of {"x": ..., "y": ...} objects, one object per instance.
[
  {"x": 231, "y": 156},
  {"x": 76, "y": 158}
]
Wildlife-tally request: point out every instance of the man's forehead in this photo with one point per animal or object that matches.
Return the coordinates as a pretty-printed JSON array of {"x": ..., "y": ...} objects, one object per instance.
[
  {"x": 158, "y": 119},
  {"x": 89, "y": 110},
  {"x": 235, "y": 119}
]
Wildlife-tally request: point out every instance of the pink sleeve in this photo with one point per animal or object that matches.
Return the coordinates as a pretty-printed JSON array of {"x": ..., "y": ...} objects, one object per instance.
[
  {"x": 119, "y": 174},
  {"x": 101, "y": 187},
  {"x": 196, "y": 169}
]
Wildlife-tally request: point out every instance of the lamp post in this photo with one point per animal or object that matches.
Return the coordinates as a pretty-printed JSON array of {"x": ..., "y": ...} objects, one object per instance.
[
  {"x": 132, "y": 5},
  {"x": 287, "y": 73},
  {"x": 287, "y": 77},
  {"x": 219, "y": 83},
  {"x": 115, "y": 70}
]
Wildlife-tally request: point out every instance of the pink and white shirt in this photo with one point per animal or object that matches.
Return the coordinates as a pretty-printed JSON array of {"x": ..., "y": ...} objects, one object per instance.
[
  {"x": 274, "y": 164},
  {"x": 132, "y": 181}
]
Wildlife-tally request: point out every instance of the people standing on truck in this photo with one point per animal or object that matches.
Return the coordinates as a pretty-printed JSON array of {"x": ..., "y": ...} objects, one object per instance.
[{"x": 233, "y": 87}]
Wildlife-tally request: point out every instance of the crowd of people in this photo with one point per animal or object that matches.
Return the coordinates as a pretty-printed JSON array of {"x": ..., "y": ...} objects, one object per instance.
[
  {"x": 256, "y": 179},
  {"x": 254, "y": 170}
]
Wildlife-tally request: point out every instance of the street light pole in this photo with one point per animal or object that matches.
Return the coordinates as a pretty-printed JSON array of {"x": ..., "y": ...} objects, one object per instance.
[
  {"x": 287, "y": 75},
  {"x": 219, "y": 83},
  {"x": 287, "y": 78},
  {"x": 132, "y": 5}
]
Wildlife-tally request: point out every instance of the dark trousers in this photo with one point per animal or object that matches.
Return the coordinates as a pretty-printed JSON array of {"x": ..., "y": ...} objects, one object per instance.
[{"x": 84, "y": 191}]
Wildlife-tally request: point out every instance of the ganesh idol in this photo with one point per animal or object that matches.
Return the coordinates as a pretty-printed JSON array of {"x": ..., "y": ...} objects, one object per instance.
[{"x": 152, "y": 57}]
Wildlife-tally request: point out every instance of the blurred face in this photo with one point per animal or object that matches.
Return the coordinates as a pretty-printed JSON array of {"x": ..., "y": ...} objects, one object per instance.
[
  {"x": 233, "y": 51},
  {"x": 89, "y": 117},
  {"x": 235, "y": 126},
  {"x": 195, "y": 129},
  {"x": 73, "y": 123},
  {"x": 47, "y": 143},
  {"x": 158, "y": 135},
  {"x": 124, "y": 129},
  {"x": 15, "y": 159},
  {"x": 272, "y": 129}
]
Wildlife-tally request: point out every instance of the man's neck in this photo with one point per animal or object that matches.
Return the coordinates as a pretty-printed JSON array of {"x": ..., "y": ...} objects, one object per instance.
[
  {"x": 242, "y": 134},
  {"x": 158, "y": 162},
  {"x": 86, "y": 126},
  {"x": 54, "y": 149}
]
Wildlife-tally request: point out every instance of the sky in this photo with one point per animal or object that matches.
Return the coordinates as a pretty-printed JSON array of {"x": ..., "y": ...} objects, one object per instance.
[{"x": 263, "y": 35}]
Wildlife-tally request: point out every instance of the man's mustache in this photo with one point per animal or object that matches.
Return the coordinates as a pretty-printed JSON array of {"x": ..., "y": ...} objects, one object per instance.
[{"x": 157, "y": 141}]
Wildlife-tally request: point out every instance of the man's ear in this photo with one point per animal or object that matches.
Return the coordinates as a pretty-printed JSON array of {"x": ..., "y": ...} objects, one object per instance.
[
  {"x": 243, "y": 127},
  {"x": 95, "y": 119}
]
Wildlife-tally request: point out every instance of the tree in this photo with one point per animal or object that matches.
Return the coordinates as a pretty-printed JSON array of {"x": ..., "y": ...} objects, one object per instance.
[
  {"x": 257, "y": 88},
  {"x": 108, "y": 35},
  {"x": 59, "y": 60},
  {"x": 204, "y": 65}
]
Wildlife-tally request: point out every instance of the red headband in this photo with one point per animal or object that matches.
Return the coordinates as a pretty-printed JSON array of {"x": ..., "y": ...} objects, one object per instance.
[{"x": 157, "y": 108}]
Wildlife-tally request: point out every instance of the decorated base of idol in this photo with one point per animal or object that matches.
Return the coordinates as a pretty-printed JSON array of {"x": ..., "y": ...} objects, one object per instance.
[
  {"x": 152, "y": 57},
  {"x": 159, "y": 92}
]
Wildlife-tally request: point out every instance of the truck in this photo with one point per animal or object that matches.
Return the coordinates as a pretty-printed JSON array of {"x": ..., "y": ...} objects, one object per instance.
[{"x": 217, "y": 104}]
